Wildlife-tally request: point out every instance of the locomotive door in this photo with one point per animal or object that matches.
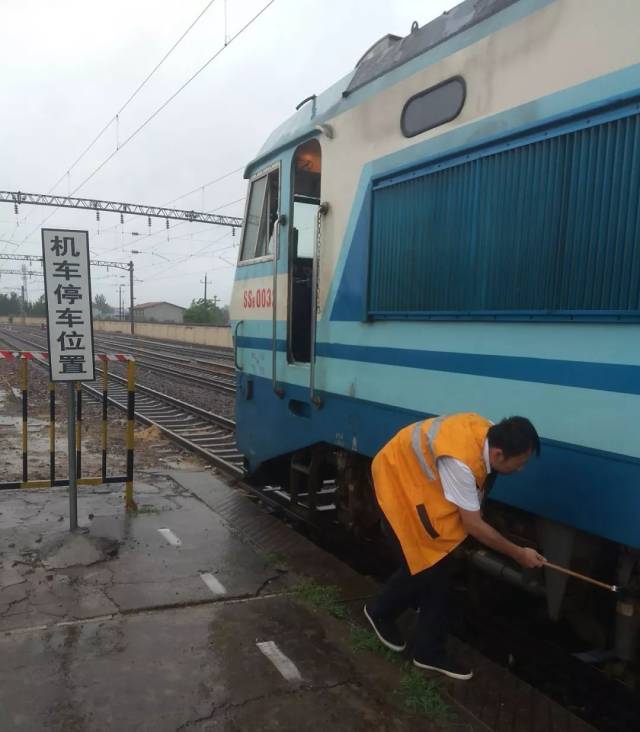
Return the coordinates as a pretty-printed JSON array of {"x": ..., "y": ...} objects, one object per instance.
[{"x": 305, "y": 201}]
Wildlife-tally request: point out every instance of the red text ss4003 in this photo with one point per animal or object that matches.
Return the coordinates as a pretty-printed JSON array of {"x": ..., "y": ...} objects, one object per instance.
[{"x": 258, "y": 298}]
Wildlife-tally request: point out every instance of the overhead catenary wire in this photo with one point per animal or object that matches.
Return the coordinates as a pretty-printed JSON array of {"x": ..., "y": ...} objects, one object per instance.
[
  {"x": 138, "y": 89},
  {"x": 175, "y": 226},
  {"x": 132, "y": 96},
  {"x": 183, "y": 86},
  {"x": 159, "y": 109},
  {"x": 198, "y": 188},
  {"x": 189, "y": 193},
  {"x": 206, "y": 185},
  {"x": 193, "y": 254}
]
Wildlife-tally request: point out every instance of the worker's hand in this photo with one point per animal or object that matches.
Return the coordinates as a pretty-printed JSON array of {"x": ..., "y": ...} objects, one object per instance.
[{"x": 529, "y": 558}]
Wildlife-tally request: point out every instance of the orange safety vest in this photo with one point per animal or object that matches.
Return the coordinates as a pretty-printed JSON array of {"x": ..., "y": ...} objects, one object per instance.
[{"x": 409, "y": 490}]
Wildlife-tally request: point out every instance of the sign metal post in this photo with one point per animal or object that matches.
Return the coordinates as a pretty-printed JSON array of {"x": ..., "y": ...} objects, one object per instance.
[{"x": 67, "y": 278}]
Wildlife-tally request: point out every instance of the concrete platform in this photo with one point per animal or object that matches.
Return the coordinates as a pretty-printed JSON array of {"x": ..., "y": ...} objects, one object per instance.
[{"x": 185, "y": 616}]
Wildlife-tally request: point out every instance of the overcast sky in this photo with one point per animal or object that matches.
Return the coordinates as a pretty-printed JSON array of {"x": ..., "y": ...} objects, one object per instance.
[{"x": 68, "y": 66}]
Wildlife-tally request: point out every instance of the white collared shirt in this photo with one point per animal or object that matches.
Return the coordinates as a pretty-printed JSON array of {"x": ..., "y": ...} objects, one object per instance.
[{"x": 459, "y": 483}]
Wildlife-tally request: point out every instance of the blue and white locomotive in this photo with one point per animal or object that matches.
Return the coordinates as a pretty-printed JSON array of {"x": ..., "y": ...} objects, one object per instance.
[{"x": 455, "y": 226}]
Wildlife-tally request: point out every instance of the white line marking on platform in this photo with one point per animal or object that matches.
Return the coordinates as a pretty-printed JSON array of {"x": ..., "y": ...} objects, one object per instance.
[
  {"x": 284, "y": 664},
  {"x": 213, "y": 584},
  {"x": 170, "y": 537}
]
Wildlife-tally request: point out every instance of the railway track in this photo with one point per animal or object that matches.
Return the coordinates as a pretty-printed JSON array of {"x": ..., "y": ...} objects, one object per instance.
[
  {"x": 192, "y": 369},
  {"x": 209, "y": 435},
  {"x": 213, "y": 360},
  {"x": 195, "y": 352},
  {"x": 209, "y": 373}
]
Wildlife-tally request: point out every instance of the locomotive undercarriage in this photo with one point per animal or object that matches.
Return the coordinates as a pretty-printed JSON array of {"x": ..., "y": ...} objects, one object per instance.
[{"x": 328, "y": 482}]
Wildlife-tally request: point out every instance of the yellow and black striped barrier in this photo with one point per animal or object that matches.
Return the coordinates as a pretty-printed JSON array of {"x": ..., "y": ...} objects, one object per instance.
[
  {"x": 78, "y": 430},
  {"x": 104, "y": 422},
  {"x": 24, "y": 386},
  {"x": 131, "y": 412},
  {"x": 24, "y": 357}
]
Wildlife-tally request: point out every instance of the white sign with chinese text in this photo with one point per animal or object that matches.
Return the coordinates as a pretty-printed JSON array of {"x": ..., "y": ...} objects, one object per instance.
[{"x": 68, "y": 294}]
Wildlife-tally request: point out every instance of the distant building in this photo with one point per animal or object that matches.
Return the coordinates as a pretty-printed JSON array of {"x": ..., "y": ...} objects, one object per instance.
[{"x": 158, "y": 312}]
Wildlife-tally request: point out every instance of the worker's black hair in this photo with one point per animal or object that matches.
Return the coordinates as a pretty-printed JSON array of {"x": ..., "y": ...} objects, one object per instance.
[{"x": 514, "y": 436}]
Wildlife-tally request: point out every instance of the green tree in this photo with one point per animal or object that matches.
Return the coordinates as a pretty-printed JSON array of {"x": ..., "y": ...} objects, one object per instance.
[
  {"x": 100, "y": 303},
  {"x": 38, "y": 308},
  {"x": 10, "y": 304},
  {"x": 201, "y": 312}
]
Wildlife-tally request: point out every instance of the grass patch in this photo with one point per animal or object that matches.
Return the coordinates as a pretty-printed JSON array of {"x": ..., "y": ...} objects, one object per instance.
[
  {"x": 324, "y": 597},
  {"x": 420, "y": 695},
  {"x": 363, "y": 639},
  {"x": 416, "y": 693}
]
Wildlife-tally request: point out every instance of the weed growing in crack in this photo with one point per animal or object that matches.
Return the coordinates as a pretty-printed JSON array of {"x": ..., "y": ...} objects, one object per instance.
[
  {"x": 419, "y": 694},
  {"x": 416, "y": 693},
  {"x": 276, "y": 561},
  {"x": 324, "y": 597},
  {"x": 363, "y": 639}
]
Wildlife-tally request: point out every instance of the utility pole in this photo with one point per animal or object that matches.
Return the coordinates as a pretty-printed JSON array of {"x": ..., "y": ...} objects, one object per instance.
[
  {"x": 24, "y": 294},
  {"x": 120, "y": 310},
  {"x": 205, "y": 290},
  {"x": 131, "y": 296}
]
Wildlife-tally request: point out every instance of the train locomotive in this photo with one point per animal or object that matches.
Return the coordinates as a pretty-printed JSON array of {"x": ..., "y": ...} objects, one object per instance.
[{"x": 455, "y": 226}]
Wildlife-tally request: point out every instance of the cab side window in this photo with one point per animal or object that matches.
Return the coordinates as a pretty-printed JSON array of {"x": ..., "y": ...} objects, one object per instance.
[
  {"x": 305, "y": 200},
  {"x": 262, "y": 213}
]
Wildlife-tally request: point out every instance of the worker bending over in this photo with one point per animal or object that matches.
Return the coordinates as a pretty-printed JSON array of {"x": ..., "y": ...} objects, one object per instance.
[{"x": 429, "y": 481}]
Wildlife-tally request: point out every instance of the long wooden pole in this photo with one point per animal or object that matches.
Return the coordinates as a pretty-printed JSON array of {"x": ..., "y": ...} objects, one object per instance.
[{"x": 564, "y": 570}]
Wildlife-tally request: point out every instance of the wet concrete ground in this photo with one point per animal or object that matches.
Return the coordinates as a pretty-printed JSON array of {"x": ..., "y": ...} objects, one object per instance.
[{"x": 185, "y": 616}]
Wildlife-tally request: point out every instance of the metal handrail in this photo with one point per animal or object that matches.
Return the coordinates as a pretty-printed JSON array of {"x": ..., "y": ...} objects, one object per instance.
[
  {"x": 274, "y": 302},
  {"x": 235, "y": 345},
  {"x": 323, "y": 208}
]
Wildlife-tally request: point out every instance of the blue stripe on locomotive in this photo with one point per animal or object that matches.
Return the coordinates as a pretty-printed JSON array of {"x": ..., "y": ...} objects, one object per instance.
[{"x": 590, "y": 489}]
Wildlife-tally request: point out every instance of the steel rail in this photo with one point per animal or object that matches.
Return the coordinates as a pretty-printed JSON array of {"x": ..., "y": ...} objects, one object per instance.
[
  {"x": 206, "y": 378},
  {"x": 170, "y": 355},
  {"x": 186, "y": 349},
  {"x": 209, "y": 435}
]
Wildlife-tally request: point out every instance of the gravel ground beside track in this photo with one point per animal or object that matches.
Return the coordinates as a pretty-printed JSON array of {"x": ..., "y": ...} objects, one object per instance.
[{"x": 213, "y": 401}]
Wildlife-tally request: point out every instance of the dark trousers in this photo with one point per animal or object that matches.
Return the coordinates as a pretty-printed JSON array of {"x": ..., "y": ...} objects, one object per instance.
[{"x": 428, "y": 591}]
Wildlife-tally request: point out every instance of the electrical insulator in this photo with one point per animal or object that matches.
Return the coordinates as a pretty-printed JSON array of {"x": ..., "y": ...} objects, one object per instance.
[
  {"x": 121, "y": 219},
  {"x": 149, "y": 221},
  {"x": 15, "y": 208},
  {"x": 167, "y": 222},
  {"x": 97, "y": 215},
  {"x": 233, "y": 231}
]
